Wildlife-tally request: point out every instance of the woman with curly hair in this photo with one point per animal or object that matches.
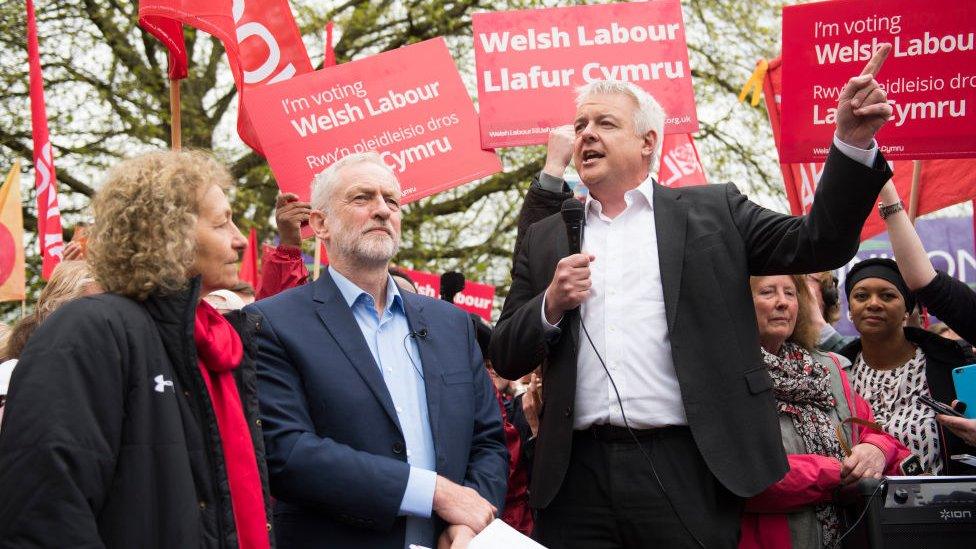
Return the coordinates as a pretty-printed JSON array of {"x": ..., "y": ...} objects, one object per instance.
[
  {"x": 132, "y": 420},
  {"x": 813, "y": 396}
]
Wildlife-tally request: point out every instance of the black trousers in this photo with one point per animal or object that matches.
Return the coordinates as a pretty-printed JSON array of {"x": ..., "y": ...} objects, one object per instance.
[{"x": 610, "y": 497}]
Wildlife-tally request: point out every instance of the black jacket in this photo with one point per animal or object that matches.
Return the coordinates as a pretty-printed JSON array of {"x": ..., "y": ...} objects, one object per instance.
[
  {"x": 109, "y": 438},
  {"x": 953, "y": 302},
  {"x": 710, "y": 240},
  {"x": 941, "y": 356}
]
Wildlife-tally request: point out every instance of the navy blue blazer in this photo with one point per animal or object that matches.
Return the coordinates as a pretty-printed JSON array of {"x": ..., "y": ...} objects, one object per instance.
[{"x": 336, "y": 453}]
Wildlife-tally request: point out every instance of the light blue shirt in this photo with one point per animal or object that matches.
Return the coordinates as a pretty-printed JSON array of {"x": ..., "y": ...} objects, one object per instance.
[{"x": 396, "y": 354}]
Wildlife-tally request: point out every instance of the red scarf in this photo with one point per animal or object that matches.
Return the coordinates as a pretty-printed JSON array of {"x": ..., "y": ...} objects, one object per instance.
[{"x": 219, "y": 351}]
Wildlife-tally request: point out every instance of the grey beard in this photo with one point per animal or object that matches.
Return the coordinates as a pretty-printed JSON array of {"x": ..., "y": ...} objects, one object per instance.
[{"x": 368, "y": 250}]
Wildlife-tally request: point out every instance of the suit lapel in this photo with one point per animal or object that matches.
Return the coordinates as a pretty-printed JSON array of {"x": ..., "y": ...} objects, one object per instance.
[
  {"x": 431, "y": 367},
  {"x": 670, "y": 222},
  {"x": 338, "y": 319}
]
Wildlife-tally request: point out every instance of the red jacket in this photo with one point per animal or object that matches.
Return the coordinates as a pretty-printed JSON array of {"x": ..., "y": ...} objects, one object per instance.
[
  {"x": 811, "y": 480},
  {"x": 280, "y": 270}
]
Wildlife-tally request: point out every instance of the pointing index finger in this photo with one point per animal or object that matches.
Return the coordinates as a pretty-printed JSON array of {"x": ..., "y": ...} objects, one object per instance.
[{"x": 878, "y": 59}]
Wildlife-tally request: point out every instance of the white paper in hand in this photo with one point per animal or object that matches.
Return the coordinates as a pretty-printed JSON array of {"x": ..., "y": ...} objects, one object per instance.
[{"x": 499, "y": 535}]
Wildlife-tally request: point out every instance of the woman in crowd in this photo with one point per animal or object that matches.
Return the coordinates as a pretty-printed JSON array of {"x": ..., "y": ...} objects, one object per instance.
[
  {"x": 132, "y": 420},
  {"x": 69, "y": 280},
  {"x": 894, "y": 364},
  {"x": 950, "y": 300},
  {"x": 813, "y": 396}
]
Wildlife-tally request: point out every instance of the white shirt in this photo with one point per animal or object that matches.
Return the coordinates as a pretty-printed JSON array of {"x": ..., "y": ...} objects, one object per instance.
[{"x": 626, "y": 320}]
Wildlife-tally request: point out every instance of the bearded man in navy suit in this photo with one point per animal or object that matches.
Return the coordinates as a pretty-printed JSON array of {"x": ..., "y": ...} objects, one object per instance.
[{"x": 381, "y": 423}]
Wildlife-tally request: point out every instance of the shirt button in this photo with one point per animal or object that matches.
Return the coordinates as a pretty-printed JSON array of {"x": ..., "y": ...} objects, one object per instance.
[
  {"x": 203, "y": 504},
  {"x": 389, "y": 370},
  {"x": 399, "y": 410},
  {"x": 269, "y": 526},
  {"x": 397, "y": 447},
  {"x": 257, "y": 422},
  {"x": 408, "y": 453}
]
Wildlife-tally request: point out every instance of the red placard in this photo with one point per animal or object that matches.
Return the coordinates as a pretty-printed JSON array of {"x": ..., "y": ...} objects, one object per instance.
[
  {"x": 529, "y": 63},
  {"x": 930, "y": 74},
  {"x": 680, "y": 164},
  {"x": 942, "y": 183},
  {"x": 407, "y": 104},
  {"x": 475, "y": 298}
]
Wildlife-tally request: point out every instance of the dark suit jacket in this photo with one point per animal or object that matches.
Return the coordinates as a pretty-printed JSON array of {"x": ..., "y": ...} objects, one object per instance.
[
  {"x": 710, "y": 240},
  {"x": 336, "y": 452}
]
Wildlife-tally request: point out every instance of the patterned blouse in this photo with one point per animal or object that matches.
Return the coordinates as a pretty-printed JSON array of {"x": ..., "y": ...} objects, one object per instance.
[{"x": 893, "y": 395}]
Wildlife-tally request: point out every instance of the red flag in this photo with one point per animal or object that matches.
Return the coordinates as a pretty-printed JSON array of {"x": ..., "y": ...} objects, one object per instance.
[
  {"x": 942, "y": 184},
  {"x": 170, "y": 33},
  {"x": 329, "y": 50},
  {"x": 249, "y": 271},
  {"x": 680, "y": 163},
  {"x": 261, "y": 38},
  {"x": 48, "y": 213},
  {"x": 324, "y": 260}
]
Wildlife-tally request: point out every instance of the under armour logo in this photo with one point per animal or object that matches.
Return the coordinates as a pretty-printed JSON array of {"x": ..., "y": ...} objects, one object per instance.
[{"x": 161, "y": 383}]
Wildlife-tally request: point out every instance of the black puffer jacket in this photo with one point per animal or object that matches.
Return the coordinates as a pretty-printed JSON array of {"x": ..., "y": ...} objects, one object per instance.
[
  {"x": 941, "y": 356},
  {"x": 109, "y": 438}
]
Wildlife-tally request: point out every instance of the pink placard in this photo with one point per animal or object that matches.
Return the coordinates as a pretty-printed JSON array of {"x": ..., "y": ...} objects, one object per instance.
[
  {"x": 407, "y": 104},
  {"x": 529, "y": 63},
  {"x": 929, "y": 77},
  {"x": 475, "y": 297}
]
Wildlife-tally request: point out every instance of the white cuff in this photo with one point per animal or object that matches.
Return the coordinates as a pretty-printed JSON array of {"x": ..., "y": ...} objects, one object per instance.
[
  {"x": 546, "y": 327},
  {"x": 864, "y": 156},
  {"x": 418, "y": 498}
]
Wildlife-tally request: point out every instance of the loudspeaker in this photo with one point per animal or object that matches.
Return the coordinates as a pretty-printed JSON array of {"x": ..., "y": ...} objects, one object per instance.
[{"x": 912, "y": 513}]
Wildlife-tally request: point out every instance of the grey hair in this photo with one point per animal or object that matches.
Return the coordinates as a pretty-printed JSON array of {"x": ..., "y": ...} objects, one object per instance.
[
  {"x": 649, "y": 115},
  {"x": 324, "y": 182}
]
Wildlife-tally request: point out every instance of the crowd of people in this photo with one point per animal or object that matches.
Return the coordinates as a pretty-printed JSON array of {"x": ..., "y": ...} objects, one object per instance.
[{"x": 678, "y": 381}]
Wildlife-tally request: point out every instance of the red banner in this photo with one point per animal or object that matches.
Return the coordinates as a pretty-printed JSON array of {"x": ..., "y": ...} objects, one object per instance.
[
  {"x": 930, "y": 75},
  {"x": 680, "y": 163},
  {"x": 475, "y": 298},
  {"x": 529, "y": 63},
  {"x": 249, "y": 271},
  {"x": 170, "y": 33},
  {"x": 261, "y": 39},
  {"x": 48, "y": 213},
  {"x": 408, "y": 104},
  {"x": 942, "y": 183}
]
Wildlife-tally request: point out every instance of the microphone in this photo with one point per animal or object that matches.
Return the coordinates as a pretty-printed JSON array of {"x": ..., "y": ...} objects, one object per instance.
[
  {"x": 572, "y": 212},
  {"x": 419, "y": 334},
  {"x": 452, "y": 283}
]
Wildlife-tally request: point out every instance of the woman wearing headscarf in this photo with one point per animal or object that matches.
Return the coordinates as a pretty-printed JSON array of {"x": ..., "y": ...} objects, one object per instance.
[
  {"x": 813, "y": 396},
  {"x": 132, "y": 419},
  {"x": 894, "y": 365},
  {"x": 949, "y": 299}
]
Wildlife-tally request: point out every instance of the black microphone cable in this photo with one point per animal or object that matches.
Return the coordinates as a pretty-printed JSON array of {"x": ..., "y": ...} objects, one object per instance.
[
  {"x": 620, "y": 402},
  {"x": 867, "y": 504},
  {"x": 633, "y": 435}
]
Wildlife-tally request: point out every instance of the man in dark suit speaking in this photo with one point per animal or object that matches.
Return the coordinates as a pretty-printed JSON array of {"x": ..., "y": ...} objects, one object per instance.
[
  {"x": 658, "y": 416},
  {"x": 381, "y": 423}
]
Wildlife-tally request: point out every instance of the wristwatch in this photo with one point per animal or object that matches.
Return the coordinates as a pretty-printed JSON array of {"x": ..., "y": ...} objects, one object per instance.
[{"x": 886, "y": 211}]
